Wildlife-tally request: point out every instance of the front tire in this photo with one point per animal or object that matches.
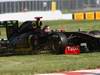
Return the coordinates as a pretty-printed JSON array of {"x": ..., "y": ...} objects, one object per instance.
[{"x": 57, "y": 43}]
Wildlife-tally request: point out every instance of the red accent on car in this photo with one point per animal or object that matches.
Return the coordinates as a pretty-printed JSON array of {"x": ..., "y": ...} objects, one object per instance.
[{"x": 72, "y": 49}]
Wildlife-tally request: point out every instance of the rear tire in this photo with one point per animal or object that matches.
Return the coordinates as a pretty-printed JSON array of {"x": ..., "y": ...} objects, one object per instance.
[{"x": 33, "y": 44}]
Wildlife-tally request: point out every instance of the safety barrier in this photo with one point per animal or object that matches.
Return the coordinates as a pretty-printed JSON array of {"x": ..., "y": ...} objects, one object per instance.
[
  {"x": 51, "y": 15},
  {"x": 24, "y": 16},
  {"x": 89, "y": 16},
  {"x": 86, "y": 15},
  {"x": 78, "y": 16},
  {"x": 97, "y": 15}
]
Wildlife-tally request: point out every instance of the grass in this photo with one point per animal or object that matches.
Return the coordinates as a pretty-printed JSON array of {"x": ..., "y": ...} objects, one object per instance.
[
  {"x": 66, "y": 11},
  {"x": 74, "y": 25},
  {"x": 45, "y": 63}
]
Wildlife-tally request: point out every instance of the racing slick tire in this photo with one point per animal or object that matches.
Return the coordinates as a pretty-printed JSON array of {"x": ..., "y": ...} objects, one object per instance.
[
  {"x": 33, "y": 42},
  {"x": 57, "y": 43}
]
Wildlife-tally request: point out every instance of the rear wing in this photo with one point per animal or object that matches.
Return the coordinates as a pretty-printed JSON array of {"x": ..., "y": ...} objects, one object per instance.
[{"x": 6, "y": 28}]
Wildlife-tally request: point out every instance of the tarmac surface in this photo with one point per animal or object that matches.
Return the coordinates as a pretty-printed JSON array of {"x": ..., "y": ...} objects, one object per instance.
[{"x": 78, "y": 72}]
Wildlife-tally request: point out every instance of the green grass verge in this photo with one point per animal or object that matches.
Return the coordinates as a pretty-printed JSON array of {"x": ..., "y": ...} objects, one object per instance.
[
  {"x": 44, "y": 63},
  {"x": 74, "y": 25}
]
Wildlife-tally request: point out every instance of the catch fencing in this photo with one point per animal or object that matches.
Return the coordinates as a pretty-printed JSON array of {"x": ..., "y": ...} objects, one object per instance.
[{"x": 9, "y": 6}]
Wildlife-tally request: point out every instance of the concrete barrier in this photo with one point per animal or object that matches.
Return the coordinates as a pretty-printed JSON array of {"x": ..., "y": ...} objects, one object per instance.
[
  {"x": 24, "y": 16},
  {"x": 67, "y": 16},
  {"x": 50, "y": 15}
]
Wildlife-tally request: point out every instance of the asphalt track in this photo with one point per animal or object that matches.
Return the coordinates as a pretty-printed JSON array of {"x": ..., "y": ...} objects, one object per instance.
[{"x": 78, "y": 72}]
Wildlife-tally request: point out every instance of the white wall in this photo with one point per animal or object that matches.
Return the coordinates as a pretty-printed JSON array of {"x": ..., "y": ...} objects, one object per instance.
[{"x": 24, "y": 16}]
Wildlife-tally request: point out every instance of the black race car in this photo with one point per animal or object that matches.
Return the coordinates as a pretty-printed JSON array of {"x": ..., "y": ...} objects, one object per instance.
[{"x": 31, "y": 38}]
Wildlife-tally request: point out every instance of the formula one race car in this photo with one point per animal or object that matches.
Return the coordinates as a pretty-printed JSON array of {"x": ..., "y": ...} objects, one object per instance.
[{"x": 31, "y": 38}]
